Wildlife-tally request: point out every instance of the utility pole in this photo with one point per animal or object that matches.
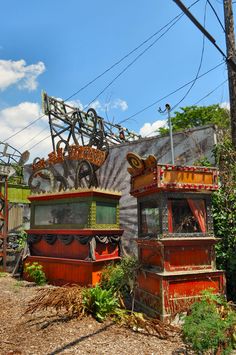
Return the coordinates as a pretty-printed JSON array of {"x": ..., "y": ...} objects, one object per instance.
[
  {"x": 230, "y": 48},
  {"x": 230, "y": 56}
]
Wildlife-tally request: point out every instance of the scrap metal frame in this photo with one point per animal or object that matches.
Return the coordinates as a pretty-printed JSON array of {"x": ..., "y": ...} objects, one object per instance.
[{"x": 71, "y": 125}]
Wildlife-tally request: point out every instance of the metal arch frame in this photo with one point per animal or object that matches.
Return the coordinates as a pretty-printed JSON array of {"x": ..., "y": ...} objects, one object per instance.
[
  {"x": 66, "y": 122},
  {"x": 12, "y": 157}
]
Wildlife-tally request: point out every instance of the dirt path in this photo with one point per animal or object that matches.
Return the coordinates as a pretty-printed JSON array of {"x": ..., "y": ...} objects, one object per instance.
[{"x": 47, "y": 334}]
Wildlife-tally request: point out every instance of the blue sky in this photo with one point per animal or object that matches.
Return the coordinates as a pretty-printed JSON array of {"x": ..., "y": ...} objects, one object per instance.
[{"x": 59, "y": 46}]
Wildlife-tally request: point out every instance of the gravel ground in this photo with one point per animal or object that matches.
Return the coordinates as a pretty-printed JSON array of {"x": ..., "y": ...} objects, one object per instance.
[{"x": 48, "y": 334}]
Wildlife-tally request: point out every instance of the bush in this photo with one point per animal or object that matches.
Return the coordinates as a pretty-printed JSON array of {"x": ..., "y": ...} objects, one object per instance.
[
  {"x": 224, "y": 214},
  {"x": 98, "y": 302},
  {"x": 22, "y": 240},
  {"x": 36, "y": 273},
  {"x": 211, "y": 325},
  {"x": 120, "y": 277}
]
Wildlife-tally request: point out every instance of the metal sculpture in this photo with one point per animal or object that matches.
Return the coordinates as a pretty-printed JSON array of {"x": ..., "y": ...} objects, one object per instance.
[
  {"x": 73, "y": 126},
  {"x": 81, "y": 136}
]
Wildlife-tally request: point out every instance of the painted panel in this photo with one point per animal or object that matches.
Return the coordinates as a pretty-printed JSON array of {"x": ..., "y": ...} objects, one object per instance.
[
  {"x": 193, "y": 286},
  {"x": 149, "y": 283},
  {"x": 188, "y": 177},
  {"x": 181, "y": 258},
  {"x": 151, "y": 256}
]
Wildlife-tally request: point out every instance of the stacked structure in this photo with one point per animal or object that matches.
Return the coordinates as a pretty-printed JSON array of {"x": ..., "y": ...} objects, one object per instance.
[
  {"x": 74, "y": 234},
  {"x": 176, "y": 238}
]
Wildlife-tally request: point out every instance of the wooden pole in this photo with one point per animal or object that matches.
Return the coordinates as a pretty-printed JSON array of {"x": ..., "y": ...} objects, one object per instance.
[{"x": 230, "y": 48}]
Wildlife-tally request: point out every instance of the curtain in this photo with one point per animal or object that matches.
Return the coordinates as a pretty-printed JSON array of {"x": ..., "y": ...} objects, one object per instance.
[
  {"x": 199, "y": 211},
  {"x": 170, "y": 219}
]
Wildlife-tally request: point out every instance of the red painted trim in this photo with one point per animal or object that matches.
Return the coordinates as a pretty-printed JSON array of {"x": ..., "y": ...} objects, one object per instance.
[
  {"x": 67, "y": 261},
  {"x": 59, "y": 196},
  {"x": 76, "y": 231},
  {"x": 176, "y": 242}
]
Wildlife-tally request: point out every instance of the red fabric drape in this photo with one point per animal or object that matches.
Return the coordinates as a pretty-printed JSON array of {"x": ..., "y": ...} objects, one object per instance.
[
  {"x": 170, "y": 219},
  {"x": 199, "y": 211}
]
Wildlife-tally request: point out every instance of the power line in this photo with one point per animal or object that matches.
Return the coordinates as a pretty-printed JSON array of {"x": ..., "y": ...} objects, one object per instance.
[
  {"x": 31, "y": 139},
  {"x": 104, "y": 72},
  {"x": 211, "y": 92},
  {"x": 213, "y": 9},
  {"x": 133, "y": 61},
  {"x": 199, "y": 66},
  {"x": 43, "y": 139},
  {"x": 171, "y": 93},
  {"x": 128, "y": 54},
  {"x": 22, "y": 129},
  {"x": 151, "y": 105}
]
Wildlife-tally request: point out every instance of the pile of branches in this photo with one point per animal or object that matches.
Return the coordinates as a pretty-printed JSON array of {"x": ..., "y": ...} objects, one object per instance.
[
  {"x": 61, "y": 300},
  {"x": 68, "y": 302}
]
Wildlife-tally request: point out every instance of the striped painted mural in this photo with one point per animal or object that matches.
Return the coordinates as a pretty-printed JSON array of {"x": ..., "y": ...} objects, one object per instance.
[{"x": 189, "y": 146}]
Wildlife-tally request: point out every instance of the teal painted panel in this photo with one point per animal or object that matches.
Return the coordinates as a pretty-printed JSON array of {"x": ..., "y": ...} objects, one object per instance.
[{"x": 105, "y": 213}]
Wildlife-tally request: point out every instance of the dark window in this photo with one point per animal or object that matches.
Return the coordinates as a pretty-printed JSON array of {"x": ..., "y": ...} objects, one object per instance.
[
  {"x": 63, "y": 213},
  {"x": 105, "y": 213},
  {"x": 186, "y": 216},
  {"x": 150, "y": 219}
]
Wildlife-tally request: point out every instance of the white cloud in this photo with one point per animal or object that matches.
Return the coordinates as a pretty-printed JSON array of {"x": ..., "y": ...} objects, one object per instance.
[
  {"x": 119, "y": 104},
  {"x": 14, "y": 118},
  {"x": 96, "y": 105},
  {"x": 19, "y": 116},
  {"x": 151, "y": 129},
  {"x": 75, "y": 103},
  {"x": 20, "y": 74},
  {"x": 225, "y": 105}
]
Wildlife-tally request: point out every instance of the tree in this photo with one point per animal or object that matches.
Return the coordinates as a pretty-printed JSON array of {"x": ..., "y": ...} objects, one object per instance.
[
  {"x": 195, "y": 116},
  {"x": 224, "y": 200}
]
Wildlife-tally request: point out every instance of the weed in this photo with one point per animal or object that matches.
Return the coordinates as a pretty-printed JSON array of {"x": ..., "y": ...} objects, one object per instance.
[
  {"x": 211, "y": 325},
  {"x": 36, "y": 273},
  {"x": 22, "y": 240},
  {"x": 98, "y": 302},
  {"x": 121, "y": 278},
  {"x": 3, "y": 274}
]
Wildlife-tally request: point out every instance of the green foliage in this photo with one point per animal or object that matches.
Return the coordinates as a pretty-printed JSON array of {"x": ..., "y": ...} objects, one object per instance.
[
  {"x": 121, "y": 277},
  {"x": 36, "y": 273},
  {"x": 3, "y": 274},
  {"x": 195, "y": 116},
  {"x": 202, "y": 161},
  {"x": 99, "y": 302},
  {"x": 211, "y": 325},
  {"x": 224, "y": 214},
  {"x": 22, "y": 239}
]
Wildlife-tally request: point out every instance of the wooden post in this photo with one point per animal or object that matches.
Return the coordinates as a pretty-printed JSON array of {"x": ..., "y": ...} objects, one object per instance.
[{"x": 230, "y": 46}]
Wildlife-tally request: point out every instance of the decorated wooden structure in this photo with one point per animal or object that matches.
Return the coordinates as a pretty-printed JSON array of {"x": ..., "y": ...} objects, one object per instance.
[
  {"x": 74, "y": 234},
  {"x": 176, "y": 238}
]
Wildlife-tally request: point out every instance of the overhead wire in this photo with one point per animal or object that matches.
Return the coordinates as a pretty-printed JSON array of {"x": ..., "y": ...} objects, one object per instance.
[
  {"x": 133, "y": 61},
  {"x": 154, "y": 103},
  {"x": 100, "y": 75},
  {"x": 219, "y": 20},
  {"x": 32, "y": 138},
  {"x": 171, "y": 93},
  {"x": 211, "y": 92},
  {"x": 107, "y": 70},
  {"x": 200, "y": 63}
]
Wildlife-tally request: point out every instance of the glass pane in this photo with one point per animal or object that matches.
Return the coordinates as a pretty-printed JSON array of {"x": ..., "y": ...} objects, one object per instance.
[
  {"x": 63, "y": 213},
  {"x": 150, "y": 222},
  {"x": 105, "y": 213},
  {"x": 187, "y": 216}
]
